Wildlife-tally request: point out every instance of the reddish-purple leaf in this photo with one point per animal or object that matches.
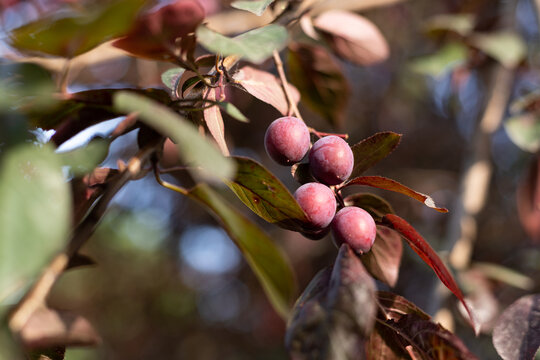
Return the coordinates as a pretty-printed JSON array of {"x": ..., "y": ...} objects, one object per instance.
[
  {"x": 370, "y": 151},
  {"x": 48, "y": 328},
  {"x": 265, "y": 87},
  {"x": 214, "y": 122},
  {"x": 426, "y": 337},
  {"x": 320, "y": 80},
  {"x": 154, "y": 35},
  {"x": 383, "y": 260},
  {"x": 528, "y": 198},
  {"x": 430, "y": 257},
  {"x": 301, "y": 173},
  {"x": 353, "y": 37},
  {"x": 376, "y": 206},
  {"x": 335, "y": 314},
  {"x": 517, "y": 333},
  {"x": 392, "y": 185},
  {"x": 395, "y": 306}
]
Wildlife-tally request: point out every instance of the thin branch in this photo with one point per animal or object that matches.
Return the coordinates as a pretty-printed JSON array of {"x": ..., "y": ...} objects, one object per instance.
[
  {"x": 37, "y": 294},
  {"x": 166, "y": 184},
  {"x": 285, "y": 85}
]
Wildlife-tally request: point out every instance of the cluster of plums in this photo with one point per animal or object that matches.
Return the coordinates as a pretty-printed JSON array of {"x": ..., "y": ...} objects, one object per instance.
[{"x": 287, "y": 141}]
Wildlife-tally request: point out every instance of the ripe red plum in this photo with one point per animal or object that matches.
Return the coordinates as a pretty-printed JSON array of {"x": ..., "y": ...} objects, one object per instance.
[
  {"x": 355, "y": 227},
  {"x": 331, "y": 160},
  {"x": 318, "y": 202},
  {"x": 287, "y": 140}
]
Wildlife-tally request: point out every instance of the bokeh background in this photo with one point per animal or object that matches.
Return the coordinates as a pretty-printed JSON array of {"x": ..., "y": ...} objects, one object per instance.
[{"x": 170, "y": 284}]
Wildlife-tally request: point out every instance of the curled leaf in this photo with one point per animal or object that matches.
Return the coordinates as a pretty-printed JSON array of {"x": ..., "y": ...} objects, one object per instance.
[
  {"x": 265, "y": 87},
  {"x": 392, "y": 185}
]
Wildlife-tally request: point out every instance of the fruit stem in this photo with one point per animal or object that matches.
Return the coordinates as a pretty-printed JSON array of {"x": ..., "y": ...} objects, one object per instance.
[
  {"x": 320, "y": 134},
  {"x": 284, "y": 83}
]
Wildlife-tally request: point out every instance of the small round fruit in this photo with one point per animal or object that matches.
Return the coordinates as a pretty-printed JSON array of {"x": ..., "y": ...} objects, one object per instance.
[
  {"x": 355, "y": 227},
  {"x": 287, "y": 140},
  {"x": 318, "y": 202},
  {"x": 331, "y": 160}
]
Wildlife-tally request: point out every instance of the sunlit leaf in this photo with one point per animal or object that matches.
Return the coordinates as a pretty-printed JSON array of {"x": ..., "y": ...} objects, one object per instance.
[
  {"x": 233, "y": 111},
  {"x": 384, "y": 258},
  {"x": 430, "y": 257},
  {"x": 370, "y": 151},
  {"x": 214, "y": 122},
  {"x": 524, "y": 131},
  {"x": 320, "y": 80},
  {"x": 74, "y": 33},
  {"x": 34, "y": 213},
  {"x": 376, "y": 206},
  {"x": 256, "y": 7},
  {"x": 265, "y": 87},
  {"x": 517, "y": 335},
  {"x": 392, "y": 185},
  {"x": 194, "y": 149},
  {"x": 462, "y": 24},
  {"x": 170, "y": 78},
  {"x": 255, "y": 45},
  {"x": 85, "y": 158},
  {"x": 353, "y": 37},
  {"x": 265, "y": 195},
  {"x": 159, "y": 34},
  {"x": 335, "y": 314},
  {"x": 448, "y": 57},
  {"x": 47, "y": 328},
  {"x": 508, "y": 48},
  {"x": 266, "y": 260}
]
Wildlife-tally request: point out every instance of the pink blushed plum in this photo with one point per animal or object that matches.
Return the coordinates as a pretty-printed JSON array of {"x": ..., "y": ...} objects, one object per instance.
[
  {"x": 318, "y": 202},
  {"x": 287, "y": 140},
  {"x": 331, "y": 160},
  {"x": 355, "y": 227}
]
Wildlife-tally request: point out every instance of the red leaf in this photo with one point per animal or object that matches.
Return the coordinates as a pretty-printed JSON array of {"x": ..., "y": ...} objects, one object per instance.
[
  {"x": 154, "y": 34},
  {"x": 385, "y": 256},
  {"x": 392, "y": 185},
  {"x": 214, "y": 122},
  {"x": 48, "y": 328},
  {"x": 353, "y": 37},
  {"x": 517, "y": 334},
  {"x": 265, "y": 87},
  {"x": 430, "y": 257}
]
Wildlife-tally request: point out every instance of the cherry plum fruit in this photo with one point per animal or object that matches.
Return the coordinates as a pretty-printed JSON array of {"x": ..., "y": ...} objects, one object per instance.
[
  {"x": 331, "y": 160},
  {"x": 318, "y": 202},
  {"x": 355, "y": 227},
  {"x": 287, "y": 140}
]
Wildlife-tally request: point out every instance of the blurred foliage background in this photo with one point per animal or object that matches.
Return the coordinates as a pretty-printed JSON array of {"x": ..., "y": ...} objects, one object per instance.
[{"x": 170, "y": 284}]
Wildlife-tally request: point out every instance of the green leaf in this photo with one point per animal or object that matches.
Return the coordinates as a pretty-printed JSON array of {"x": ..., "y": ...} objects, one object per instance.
[
  {"x": 265, "y": 195},
  {"x": 255, "y": 45},
  {"x": 170, "y": 77},
  {"x": 196, "y": 150},
  {"x": 77, "y": 32},
  {"x": 524, "y": 131},
  {"x": 34, "y": 214},
  {"x": 508, "y": 48},
  {"x": 446, "y": 58},
  {"x": 85, "y": 158},
  {"x": 370, "y": 151},
  {"x": 270, "y": 266},
  {"x": 462, "y": 24},
  {"x": 256, "y": 7},
  {"x": 233, "y": 111}
]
